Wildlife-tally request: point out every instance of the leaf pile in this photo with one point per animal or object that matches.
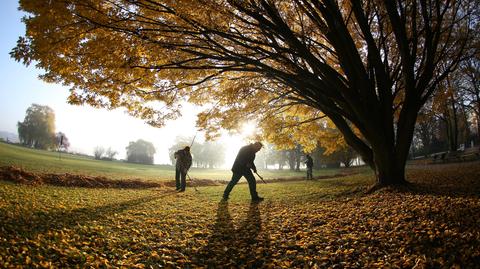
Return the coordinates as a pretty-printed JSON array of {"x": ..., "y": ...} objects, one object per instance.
[
  {"x": 328, "y": 223},
  {"x": 18, "y": 175}
]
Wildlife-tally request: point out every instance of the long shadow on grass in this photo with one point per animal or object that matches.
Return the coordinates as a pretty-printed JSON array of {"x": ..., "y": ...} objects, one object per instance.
[
  {"x": 40, "y": 222},
  {"x": 245, "y": 246}
]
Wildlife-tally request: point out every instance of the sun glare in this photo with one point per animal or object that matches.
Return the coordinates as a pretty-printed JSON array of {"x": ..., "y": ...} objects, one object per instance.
[
  {"x": 248, "y": 129},
  {"x": 233, "y": 142}
]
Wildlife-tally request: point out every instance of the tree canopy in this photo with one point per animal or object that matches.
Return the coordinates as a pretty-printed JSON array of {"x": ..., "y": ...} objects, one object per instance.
[
  {"x": 368, "y": 65},
  {"x": 38, "y": 128}
]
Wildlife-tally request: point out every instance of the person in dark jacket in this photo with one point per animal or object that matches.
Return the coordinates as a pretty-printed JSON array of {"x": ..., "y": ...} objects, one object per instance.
[
  {"x": 243, "y": 166},
  {"x": 182, "y": 164},
  {"x": 309, "y": 163}
]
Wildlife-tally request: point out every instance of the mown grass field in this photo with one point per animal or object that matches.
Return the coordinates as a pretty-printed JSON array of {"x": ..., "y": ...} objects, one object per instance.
[
  {"x": 51, "y": 162},
  {"x": 325, "y": 223}
]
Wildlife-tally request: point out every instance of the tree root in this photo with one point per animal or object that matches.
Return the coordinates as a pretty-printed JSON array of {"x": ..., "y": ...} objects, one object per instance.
[{"x": 403, "y": 186}]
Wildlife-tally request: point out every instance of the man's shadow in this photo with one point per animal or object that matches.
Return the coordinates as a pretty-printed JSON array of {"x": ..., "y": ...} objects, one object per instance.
[{"x": 246, "y": 246}]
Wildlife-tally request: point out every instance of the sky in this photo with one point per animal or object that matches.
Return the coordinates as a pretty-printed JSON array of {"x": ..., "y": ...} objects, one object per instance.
[{"x": 84, "y": 126}]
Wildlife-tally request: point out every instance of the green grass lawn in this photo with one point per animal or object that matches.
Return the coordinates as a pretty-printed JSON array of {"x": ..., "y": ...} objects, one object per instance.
[{"x": 51, "y": 162}]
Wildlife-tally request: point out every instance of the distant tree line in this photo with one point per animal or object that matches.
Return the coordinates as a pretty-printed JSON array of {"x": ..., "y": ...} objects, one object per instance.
[
  {"x": 294, "y": 159},
  {"x": 139, "y": 151},
  {"x": 100, "y": 153},
  {"x": 451, "y": 119},
  {"x": 212, "y": 155}
]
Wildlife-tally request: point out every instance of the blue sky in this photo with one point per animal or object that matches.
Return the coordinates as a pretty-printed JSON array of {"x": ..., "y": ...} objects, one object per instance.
[{"x": 85, "y": 127}]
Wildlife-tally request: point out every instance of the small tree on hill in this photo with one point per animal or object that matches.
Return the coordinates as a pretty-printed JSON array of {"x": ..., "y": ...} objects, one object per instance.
[
  {"x": 38, "y": 128},
  {"x": 140, "y": 151}
]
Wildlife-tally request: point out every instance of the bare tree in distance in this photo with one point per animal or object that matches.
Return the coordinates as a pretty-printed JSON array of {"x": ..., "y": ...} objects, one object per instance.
[
  {"x": 98, "y": 152},
  {"x": 110, "y": 154}
]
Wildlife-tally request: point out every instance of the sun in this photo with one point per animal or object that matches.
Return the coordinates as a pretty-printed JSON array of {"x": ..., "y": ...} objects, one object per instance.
[{"x": 248, "y": 129}]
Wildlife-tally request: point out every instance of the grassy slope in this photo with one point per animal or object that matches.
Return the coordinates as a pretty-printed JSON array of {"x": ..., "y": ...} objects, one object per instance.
[{"x": 49, "y": 162}]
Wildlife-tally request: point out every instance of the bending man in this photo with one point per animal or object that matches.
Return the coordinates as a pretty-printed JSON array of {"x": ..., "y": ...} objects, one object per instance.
[
  {"x": 182, "y": 164},
  {"x": 243, "y": 166},
  {"x": 309, "y": 163}
]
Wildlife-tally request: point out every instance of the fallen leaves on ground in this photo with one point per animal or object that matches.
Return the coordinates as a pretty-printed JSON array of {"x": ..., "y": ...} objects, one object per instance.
[{"x": 316, "y": 224}]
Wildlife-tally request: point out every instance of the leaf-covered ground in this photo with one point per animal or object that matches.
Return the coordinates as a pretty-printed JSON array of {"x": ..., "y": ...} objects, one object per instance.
[{"x": 435, "y": 223}]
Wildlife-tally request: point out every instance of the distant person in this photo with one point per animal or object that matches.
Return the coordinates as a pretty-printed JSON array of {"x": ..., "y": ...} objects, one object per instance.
[
  {"x": 309, "y": 163},
  {"x": 182, "y": 164},
  {"x": 243, "y": 166}
]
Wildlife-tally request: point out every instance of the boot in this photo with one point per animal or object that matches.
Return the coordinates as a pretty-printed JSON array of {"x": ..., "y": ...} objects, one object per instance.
[{"x": 257, "y": 199}]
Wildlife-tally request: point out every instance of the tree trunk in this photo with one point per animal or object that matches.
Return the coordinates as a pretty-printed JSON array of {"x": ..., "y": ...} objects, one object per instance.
[
  {"x": 389, "y": 169},
  {"x": 466, "y": 126},
  {"x": 390, "y": 151},
  {"x": 452, "y": 123},
  {"x": 478, "y": 129},
  {"x": 298, "y": 157},
  {"x": 454, "y": 145},
  {"x": 291, "y": 159},
  {"x": 477, "y": 115}
]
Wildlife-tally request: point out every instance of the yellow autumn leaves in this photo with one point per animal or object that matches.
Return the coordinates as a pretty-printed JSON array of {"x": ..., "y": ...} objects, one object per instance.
[{"x": 314, "y": 224}]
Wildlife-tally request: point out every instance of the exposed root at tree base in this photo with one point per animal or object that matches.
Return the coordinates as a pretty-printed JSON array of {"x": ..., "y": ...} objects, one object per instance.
[{"x": 404, "y": 186}]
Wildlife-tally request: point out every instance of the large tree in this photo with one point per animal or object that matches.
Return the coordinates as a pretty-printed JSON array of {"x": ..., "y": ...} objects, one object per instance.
[
  {"x": 140, "y": 151},
  {"x": 368, "y": 65},
  {"x": 38, "y": 128}
]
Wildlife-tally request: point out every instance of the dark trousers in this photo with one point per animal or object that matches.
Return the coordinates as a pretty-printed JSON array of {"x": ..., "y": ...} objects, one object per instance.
[
  {"x": 252, "y": 183},
  {"x": 180, "y": 179},
  {"x": 309, "y": 173}
]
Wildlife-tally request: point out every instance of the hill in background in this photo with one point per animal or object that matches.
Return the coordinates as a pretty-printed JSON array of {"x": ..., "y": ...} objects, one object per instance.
[{"x": 12, "y": 137}]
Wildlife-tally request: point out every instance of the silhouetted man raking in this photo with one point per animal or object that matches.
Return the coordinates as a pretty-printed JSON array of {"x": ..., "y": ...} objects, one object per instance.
[
  {"x": 309, "y": 163},
  {"x": 243, "y": 166},
  {"x": 182, "y": 164}
]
